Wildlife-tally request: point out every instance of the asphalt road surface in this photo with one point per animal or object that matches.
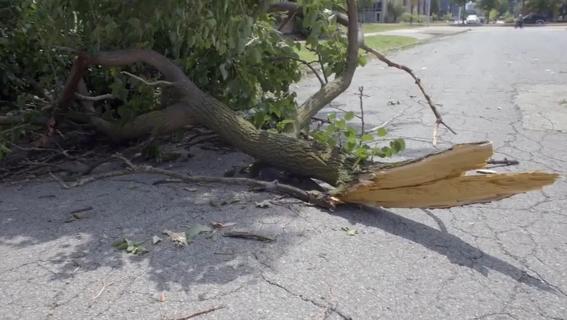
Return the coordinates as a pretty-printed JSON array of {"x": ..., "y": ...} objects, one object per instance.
[{"x": 503, "y": 260}]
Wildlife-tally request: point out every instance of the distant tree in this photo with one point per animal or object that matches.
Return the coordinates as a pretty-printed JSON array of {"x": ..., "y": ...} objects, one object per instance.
[
  {"x": 435, "y": 7},
  {"x": 546, "y": 7},
  {"x": 488, "y": 6},
  {"x": 395, "y": 10},
  {"x": 461, "y": 4},
  {"x": 493, "y": 15}
]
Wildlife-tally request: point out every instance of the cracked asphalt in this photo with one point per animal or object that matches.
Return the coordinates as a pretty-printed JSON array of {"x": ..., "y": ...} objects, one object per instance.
[{"x": 503, "y": 260}]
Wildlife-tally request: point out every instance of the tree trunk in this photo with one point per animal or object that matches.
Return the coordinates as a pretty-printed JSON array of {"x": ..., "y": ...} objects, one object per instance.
[{"x": 306, "y": 158}]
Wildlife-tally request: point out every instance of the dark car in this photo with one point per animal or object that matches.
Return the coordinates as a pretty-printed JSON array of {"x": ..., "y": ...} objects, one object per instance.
[{"x": 534, "y": 19}]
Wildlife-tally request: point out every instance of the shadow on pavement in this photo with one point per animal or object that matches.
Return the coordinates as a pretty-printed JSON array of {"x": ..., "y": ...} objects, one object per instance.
[{"x": 456, "y": 250}]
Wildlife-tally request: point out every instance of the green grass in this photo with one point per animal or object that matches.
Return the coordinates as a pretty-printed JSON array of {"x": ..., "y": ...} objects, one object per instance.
[
  {"x": 380, "y": 27},
  {"x": 380, "y": 43},
  {"x": 386, "y": 43}
]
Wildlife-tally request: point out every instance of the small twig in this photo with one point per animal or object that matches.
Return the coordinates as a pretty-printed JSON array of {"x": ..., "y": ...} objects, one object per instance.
[
  {"x": 95, "y": 98},
  {"x": 314, "y": 197},
  {"x": 126, "y": 161},
  {"x": 434, "y": 139},
  {"x": 89, "y": 208},
  {"x": 247, "y": 235},
  {"x": 342, "y": 110},
  {"x": 322, "y": 64},
  {"x": 149, "y": 83},
  {"x": 390, "y": 63},
  {"x": 308, "y": 64},
  {"x": 361, "y": 96},
  {"x": 504, "y": 162},
  {"x": 320, "y": 120},
  {"x": 200, "y": 313},
  {"x": 387, "y": 122},
  {"x": 104, "y": 286}
]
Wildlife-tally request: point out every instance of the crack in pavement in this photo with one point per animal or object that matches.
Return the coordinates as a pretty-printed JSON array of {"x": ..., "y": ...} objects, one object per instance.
[{"x": 327, "y": 307}]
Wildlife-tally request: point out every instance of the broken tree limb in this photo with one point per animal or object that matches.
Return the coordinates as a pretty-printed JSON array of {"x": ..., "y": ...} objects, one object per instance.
[
  {"x": 101, "y": 97},
  {"x": 306, "y": 158},
  {"x": 452, "y": 192},
  {"x": 447, "y": 164},
  {"x": 440, "y": 181},
  {"x": 302, "y": 157}
]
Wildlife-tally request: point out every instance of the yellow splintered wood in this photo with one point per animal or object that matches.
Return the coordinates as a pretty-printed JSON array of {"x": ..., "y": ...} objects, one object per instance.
[
  {"x": 449, "y": 163},
  {"x": 439, "y": 181},
  {"x": 450, "y": 192}
]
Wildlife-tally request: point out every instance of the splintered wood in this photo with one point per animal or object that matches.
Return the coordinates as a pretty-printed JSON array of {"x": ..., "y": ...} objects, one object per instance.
[{"x": 440, "y": 181}]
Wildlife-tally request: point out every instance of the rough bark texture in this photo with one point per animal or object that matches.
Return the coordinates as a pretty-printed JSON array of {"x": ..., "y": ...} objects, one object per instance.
[{"x": 283, "y": 151}]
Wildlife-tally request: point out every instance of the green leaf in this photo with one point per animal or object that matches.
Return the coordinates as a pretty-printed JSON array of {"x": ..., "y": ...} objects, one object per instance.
[
  {"x": 397, "y": 145},
  {"x": 350, "y": 231},
  {"x": 382, "y": 132},
  {"x": 349, "y": 115},
  {"x": 366, "y": 138},
  {"x": 362, "y": 60},
  {"x": 121, "y": 244},
  {"x": 350, "y": 133},
  {"x": 350, "y": 145},
  {"x": 129, "y": 246}
]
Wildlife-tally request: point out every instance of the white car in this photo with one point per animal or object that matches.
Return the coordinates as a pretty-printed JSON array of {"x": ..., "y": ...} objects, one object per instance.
[{"x": 472, "y": 19}]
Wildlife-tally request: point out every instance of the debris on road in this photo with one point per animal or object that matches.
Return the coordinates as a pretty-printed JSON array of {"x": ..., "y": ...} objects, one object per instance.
[{"x": 247, "y": 235}]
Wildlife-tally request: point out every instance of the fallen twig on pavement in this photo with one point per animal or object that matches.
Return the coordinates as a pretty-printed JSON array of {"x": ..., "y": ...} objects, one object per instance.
[
  {"x": 312, "y": 196},
  {"x": 504, "y": 162},
  {"x": 247, "y": 235},
  {"x": 200, "y": 313}
]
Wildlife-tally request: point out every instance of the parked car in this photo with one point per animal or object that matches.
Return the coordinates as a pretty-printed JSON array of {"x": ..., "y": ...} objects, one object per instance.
[
  {"x": 472, "y": 19},
  {"x": 534, "y": 19}
]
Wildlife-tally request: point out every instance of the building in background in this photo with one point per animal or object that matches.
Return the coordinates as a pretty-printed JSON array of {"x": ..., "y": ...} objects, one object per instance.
[
  {"x": 377, "y": 11},
  {"x": 374, "y": 11}
]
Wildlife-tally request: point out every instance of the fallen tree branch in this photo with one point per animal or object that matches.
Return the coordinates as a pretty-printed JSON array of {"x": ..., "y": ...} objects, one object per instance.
[
  {"x": 247, "y": 236},
  {"x": 200, "y": 313},
  {"x": 101, "y": 97},
  {"x": 307, "y": 158},
  {"x": 146, "y": 82},
  {"x": 314, "y": 197}
]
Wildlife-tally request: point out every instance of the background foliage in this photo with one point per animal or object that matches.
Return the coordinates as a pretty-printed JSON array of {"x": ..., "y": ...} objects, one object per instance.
[{"x": 229, "y": 48}]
